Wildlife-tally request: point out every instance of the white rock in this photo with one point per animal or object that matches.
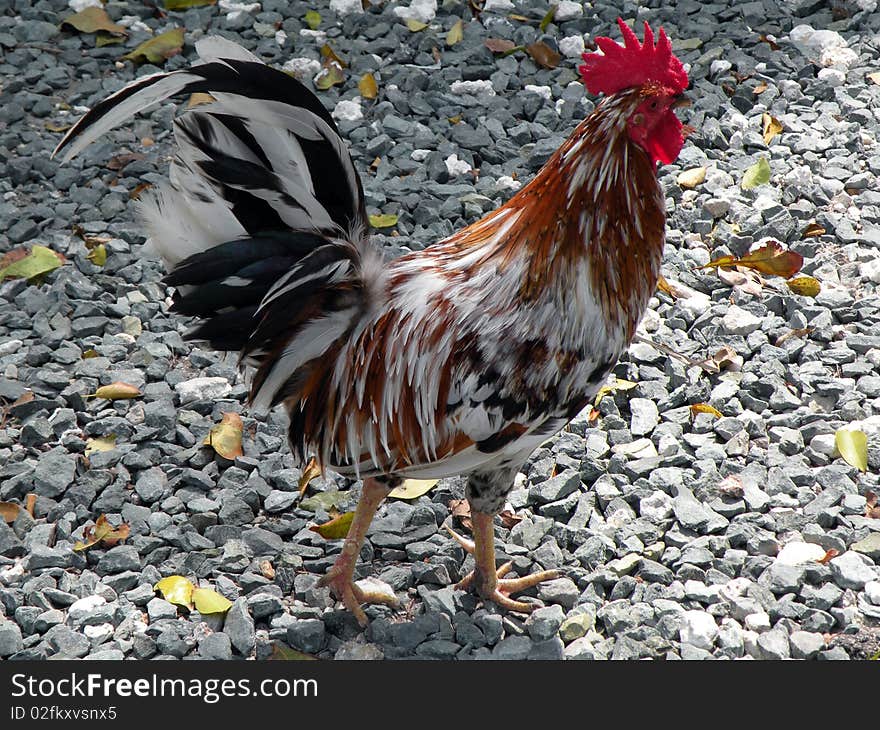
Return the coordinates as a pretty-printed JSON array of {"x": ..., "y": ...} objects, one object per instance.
[
  {"x": 230, "y": 6},
  {"x": 497, "y": 6},
  {"x": 568, "y": 10},
  {"x": 738, "y": 321},
  {"x": 9, "y": 347},
  {"x": 798, "y": 553},
  {"x": 202, "y": 389},
  {"x": 839, "y": 59},
  {"x": 750, "y": 643},
  {"x": 280, "y": 37},
  {"x": 80, "y": 5},
  {"x": 638, "y": 449},
  {"x": 505, "y": 182},
  {"x": 419, "y": 155},
  {"x": 696, "y": 302},
  {"x": 758, "y": 622},
  {"x": 834, "y": 77},
  {"x": 84, "y": 607},
  {"x": 421, "y": 10},
  {"x": 698, "y": 628},
  {"x": 872, "y": 592},
  {"x": 133, "y": 22},
  {"x": 348, "y": 110},
  {"x": 303, "y": 68},
  {"x": 571, "y": 46},
  {"x": 476, "y": 88},
  {"x": 98, "y": 633},
  {"x": 656, "y": 507},
  {"x": 456, "y": 167},
  {"x": 824, "y": 443},
  {"x": 347, "y": 7},
  {"x": 871, "y": 270},
  {"x": 319, "y": 36},
  {"x": 645, "y": 416},
  {"x": 734, "y": 588},
  {"x": 542, "y": 91},
  {"x": 852, "y": 570}
]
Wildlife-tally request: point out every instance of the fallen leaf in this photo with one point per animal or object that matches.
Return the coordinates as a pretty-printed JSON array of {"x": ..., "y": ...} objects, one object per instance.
[
  {"x": 618, "y": 384},
  {"x": 328, "y": 54},
  {"x": 323, "y": 500},
  {"x": 9, "y": 511},
  {"x": 454, "y": 120},
  {"x": 225, "y": 437},
  {"x": 282, "y": 652},
  {"x": 30, "y": 502},
  {"x": 100, "y": 443},
  {"x": 98, "y": 255},
  {"x": 39, "y": 261},
  {"x": 770, "y": 258},
  {"x": 797, "y": 332},
  {"x": 689, "y": 179},
  {"x": 774, "y": 46},
  {"x": 159, "y": 48},
  {"x": 199, "y": 98},
  {"x": 874, "y": 77},
  {"x": 176, "y": 589},
  {"x": 705, "y": 408},
  {"x": 116, "y": 391},
  {"x": 412, "y": 488},
  {"x": 415, "y": 26},
  {"x": 663, "y": 286},
  {"x": 106, "y": 39},
  {"x": 543, "y": 55},
  {"x": 745, "y": 280},
  {"x": 208, "y": 601},
  {"x": 813, "y": 230},
  {"x": 267, "y": 570},
  {"x": 760, "y": 88},
  {"x": 52, "y": 127},
  {"x": 830, "y": 554},
  {"x": 499, "y": 45},
  {"x": 311, "y": 471},
  {"x": 871, "y": 508},
  {"x": 102, "y": 533},
  {"x": 726, "y": 358},
  {"x": 509, "y": 519},
  {"x": 119, "y": 162},
  {"x": 330, "y": 75},
  {"x": 853, "y": 447},
  {"x": 757, "y": 174},
  {"x": 89, "y": 354},
  {"x": 771, "y": 127},
  {"x": 186, "y": 4},
  {"x": 806, "y": 286},
  {"x": 367, "y": 86},
  {"x": 92, "y": 20},
  {"x": 138, "y": 189},
  {"x": 384, "y": 220},
  {"x": 455, "y": 34},
  {"x": 313, "y": 19},
  {"x": 335, "y": 529},
  {"x": 548, "y": 18}
]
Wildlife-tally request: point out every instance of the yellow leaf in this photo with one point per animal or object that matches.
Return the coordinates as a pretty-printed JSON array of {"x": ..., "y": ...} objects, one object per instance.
[
  {"x": 412, "y": 488},
  {"x": 335, "y": 529},
  {"x": 330, "y": 75},
  {"x": 853, "y": 447},
  {"x": 176, "y": 589},
  {"x": 689, "y": 179},
  {"x": 225, "y": 437},
  {"x": 311, "y": 471},
  {"x": 159, "y": 48},
  {"x": 618, "y": 384},
  {"x": 52, "y": 127},
  {"x": 757, "y": 174},
  {"x": 9, "y": 511},
  {"x": 282, "y": 652},
  {"x": 548, "y": 18},
  {"x": 771, "y": 127},
  {"x": 415, "y": 25},
  {"x": 806, "y": 286},
  {"x": 40, "y": 260},
  {"x": 313, "y": 19},
  {"x": 102, "y": 533},
  {"x": 455, "y": 34},
  {"x": 101, "y": 443},
  {"x": 198, "y": 99},
  {"x": 186, "y": 4},
  {"x": 663, "y": 286},
  {"x": 207, "y": 601},
  {"x": 92, "y": 20},
  {"x": 770, "y": 258},
  {"x": 90, "y": 353},
  {"x": 705, "y": 408},
  {"x": 116, "y": 391},
  {"x": 384, "y": 220},
  {"x": 98, "y": 255},
  {"x": 328, "y": 54},
  {"x": 813, "y": 230},
  {"x": 367, "y": 87},
  {"x": 874, "y": 77}
]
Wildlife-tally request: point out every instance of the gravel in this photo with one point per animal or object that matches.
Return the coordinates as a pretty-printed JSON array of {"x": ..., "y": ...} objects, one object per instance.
[{"x": 680, "y": 534}]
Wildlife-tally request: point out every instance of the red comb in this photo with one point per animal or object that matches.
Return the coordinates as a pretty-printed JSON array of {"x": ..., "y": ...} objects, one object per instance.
[{"x": 633, "y": 64}]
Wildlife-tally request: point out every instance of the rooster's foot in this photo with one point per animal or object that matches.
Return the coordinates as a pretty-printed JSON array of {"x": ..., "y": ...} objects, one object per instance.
[{"x": 340, "y": 581}]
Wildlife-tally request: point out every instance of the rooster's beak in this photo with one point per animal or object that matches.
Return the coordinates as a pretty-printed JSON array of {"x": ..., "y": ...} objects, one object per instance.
[{"x": 680, "y": 101}]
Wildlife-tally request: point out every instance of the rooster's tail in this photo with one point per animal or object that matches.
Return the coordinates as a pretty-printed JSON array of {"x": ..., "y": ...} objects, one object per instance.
[{"x": 262, "y": 223}]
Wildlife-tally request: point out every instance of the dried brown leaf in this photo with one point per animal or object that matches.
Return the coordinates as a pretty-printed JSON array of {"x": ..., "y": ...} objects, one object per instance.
[
  {"x": 770, "y": 258},
  {"x": 543, "y": 55}
]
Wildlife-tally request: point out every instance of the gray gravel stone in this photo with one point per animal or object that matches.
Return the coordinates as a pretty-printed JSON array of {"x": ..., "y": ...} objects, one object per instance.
[{"x": 239, "y": 627}]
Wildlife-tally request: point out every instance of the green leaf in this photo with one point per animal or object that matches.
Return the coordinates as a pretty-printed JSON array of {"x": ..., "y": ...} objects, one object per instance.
[
  {"x": 313, "y": 19},
  {"x": 384, "y": 220},
  {"x": 207, "y": 601},
  {"x": 282, "y": 652},
  {"x": 105, "y": 39},
  {"x": 40, "y": 260},
  {"x": 412, "y": 488},
  {"x": 186, "y": 4},
  {"x": 335, "y": 529},
  {"x": 175, "y": 589},
  {"x": 98, "y": 255},
  {"x": 757, "y": 174},
  {"x": 415, "y": 26},
  {"x": 330, "y": 75},
  {"x": 324, "y": 500},
  {"x": 853, "y": 447},
  {"x": 548, "y": 18},
  {"x": 159, "y": 48},
  {"x": 92, "y": 20},
  {"x": 455, "y": 34}
]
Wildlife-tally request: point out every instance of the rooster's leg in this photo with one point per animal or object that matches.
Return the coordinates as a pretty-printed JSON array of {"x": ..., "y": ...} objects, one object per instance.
[
  {"x": 485, "y": 578},
  {"x": 340, "y": 577}
]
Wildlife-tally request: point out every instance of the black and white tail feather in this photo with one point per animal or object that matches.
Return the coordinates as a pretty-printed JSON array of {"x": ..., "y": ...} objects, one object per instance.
[{"x": 262, "y": 223}]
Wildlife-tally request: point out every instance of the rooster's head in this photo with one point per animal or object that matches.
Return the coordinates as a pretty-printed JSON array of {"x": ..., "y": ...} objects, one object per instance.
[{"x": 651, "y": 74}]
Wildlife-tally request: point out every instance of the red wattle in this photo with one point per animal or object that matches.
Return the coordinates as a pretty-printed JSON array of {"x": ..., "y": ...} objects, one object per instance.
[{"x": 666, "y": 140}]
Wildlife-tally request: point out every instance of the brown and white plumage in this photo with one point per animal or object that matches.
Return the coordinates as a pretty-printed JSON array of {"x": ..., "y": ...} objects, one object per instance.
[{"x": 461, "y": 358}]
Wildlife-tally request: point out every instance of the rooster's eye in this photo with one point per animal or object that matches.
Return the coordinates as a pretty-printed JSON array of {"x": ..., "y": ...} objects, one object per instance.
[{"x": 653, "y": 105}]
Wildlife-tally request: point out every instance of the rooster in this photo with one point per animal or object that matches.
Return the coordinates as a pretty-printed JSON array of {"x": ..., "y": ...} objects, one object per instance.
[{"x": 459, "y": 359}]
